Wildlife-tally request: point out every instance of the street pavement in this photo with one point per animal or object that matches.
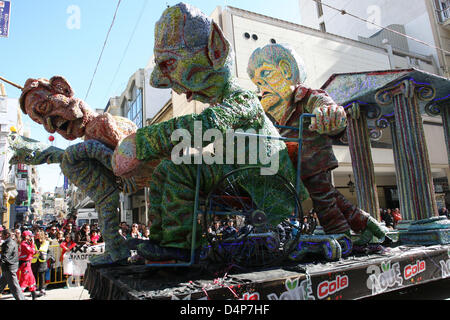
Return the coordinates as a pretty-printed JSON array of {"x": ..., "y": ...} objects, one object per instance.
[{"x": 72, "y": 293}]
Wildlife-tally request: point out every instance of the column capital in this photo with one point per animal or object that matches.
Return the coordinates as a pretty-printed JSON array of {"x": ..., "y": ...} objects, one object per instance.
[
  {"x": 437, "y": 107},
  {"x": 407, "y": 87}
]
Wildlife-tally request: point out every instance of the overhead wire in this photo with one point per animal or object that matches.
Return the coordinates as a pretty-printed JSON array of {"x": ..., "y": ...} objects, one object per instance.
[
  {"x": 103, "y": 49},
  {"x": 344, "y": 12},
  {"x": 144, "y": 5}
]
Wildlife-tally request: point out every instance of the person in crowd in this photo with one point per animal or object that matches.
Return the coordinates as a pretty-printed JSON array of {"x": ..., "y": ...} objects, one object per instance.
[
  {"x": 122, "y": 234},
  {"x": 18, "y": 237},
  {"x": 135, "y": 231},
  {"x": 84, "y": 234},
  {"x": 52, "y": 232},
  {"x": 397, "y": 216},
  {"x": 25, "y": 273},
  {"x": 100, "y": 237},
  {"x": 39, "y": 262},
  {"x": 387, "y": 217},
  {"x": 305, "y": 226},
  {"x": 60, "y": 237},
  {"x": 146, "y": 234},
  {"x": 124, "y": 229},
  {"x": 282, "y": 232},
  {"x": 95, "y": 227},
  {"x": 70, "y": 230},
  {"x": 216, "y": 229},
  {"x": 313, "y": 220},
  {"x": 9, "y": 260},
  {"x": 294, "y": 231},
  {"x": 444, "y": 212},
  {"x": 94, "y": 236},
  {"x": 229, "y": 231},
  {"x": 67, "y": 245}
]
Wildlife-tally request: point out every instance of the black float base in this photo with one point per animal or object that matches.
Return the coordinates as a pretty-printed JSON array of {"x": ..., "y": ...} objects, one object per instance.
[{"x": 355, "y": 277}]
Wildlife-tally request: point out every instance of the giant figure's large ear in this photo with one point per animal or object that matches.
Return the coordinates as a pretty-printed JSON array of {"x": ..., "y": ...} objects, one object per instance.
[
  {"x": 60, "y": 85},
  {"x": 218, "y": 46},
  {"x": 286, "y": 69}
]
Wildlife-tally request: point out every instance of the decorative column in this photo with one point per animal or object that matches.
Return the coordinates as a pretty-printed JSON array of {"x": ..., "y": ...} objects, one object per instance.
[
  {"x": 362, "y": 163},
  {"x": 414, "y": 177},
  {"x": 445, "y": 113},
  {"x": 401, "y": 171}
]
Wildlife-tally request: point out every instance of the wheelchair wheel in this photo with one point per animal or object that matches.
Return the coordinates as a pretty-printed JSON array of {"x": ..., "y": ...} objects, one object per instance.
[{"x": 259, "y": 205}]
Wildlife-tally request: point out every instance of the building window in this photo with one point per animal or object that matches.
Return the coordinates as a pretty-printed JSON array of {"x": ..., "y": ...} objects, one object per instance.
[
  {"x": 135, "y": 107},
  {"x": 319, "y": 8},
  {"x": 322, "y": 27},
  {"x": 443, "y": 9}
]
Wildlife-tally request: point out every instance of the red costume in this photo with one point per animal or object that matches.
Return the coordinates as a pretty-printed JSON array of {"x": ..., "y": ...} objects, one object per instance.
[
  {"x": 66, "y": 246},
  {"x": 25, "y": 274}
]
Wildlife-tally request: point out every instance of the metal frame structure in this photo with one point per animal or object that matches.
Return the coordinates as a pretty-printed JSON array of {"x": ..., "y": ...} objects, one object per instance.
[{"x": 299, "y": 140}]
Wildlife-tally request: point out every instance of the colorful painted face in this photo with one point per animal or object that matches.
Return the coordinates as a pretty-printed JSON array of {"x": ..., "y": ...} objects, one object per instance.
[
  {"x": 190, "y": 55},
  {"x": 275, "y": 87},
  {"x": 187, "y": 72},
  {"x": 276, "y": 69},
  {"x": 53, "y": 106}
]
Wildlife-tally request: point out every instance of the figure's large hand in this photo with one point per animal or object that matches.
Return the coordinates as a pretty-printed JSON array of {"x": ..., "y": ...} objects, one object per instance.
[
  {"x": 126, "y": 165},
  {"x": 329, "y": 119}
]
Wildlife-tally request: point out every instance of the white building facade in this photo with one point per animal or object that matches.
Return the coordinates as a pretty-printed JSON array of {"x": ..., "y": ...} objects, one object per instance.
[{"x": 424, "y": 20}]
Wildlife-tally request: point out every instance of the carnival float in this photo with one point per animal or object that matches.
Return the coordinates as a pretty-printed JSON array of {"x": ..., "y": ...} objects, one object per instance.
[{"x": 350, "y": 256}]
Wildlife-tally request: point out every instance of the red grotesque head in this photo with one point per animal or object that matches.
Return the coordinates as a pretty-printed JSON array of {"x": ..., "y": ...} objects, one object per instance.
[{"x": 52, "y": 104}]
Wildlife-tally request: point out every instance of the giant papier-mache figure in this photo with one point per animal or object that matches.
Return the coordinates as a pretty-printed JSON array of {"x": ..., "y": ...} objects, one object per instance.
[
  {"x": 279, "y": 74},
  {"x": 193, "y": 58}
]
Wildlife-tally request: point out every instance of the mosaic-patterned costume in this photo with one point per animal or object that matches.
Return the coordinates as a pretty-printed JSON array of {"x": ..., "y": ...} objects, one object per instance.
[
  {"x": 335, "y": 212},
  {"x": 88, "y": 166}
]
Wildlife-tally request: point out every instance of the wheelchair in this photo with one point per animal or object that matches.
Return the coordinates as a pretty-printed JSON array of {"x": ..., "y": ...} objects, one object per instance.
[{"x": 264, "y": 241}]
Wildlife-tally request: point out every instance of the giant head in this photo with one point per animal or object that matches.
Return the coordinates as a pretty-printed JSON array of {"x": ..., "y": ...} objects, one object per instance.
[
  {"x": 52, "y": 104},
  {"x": 276, "y": 70},
  {"x": 191, "y": 54}
]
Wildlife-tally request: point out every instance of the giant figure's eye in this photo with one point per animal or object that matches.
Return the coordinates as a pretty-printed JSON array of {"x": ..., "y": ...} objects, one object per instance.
[
  {"x": 167, "y": 65},
  {"x": 265, "y": 73}
]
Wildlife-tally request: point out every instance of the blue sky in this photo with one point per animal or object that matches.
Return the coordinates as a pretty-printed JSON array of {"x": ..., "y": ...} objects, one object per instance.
[{"x": 41, "y": 44}]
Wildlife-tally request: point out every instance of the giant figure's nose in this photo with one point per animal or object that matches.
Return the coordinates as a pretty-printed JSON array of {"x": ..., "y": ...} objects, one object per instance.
[{"x": 159, "y": 80}]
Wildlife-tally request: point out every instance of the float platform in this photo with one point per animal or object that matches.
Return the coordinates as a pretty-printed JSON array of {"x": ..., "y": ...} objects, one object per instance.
[{"x": 355, "y": 277}]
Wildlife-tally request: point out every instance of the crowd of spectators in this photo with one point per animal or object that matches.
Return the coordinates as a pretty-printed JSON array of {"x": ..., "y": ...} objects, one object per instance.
[
  {"x": 137, "y": 230},
  {"x": 234, "y": 228},
  {"x": 32, "y": 246},
  {"x": 391, "y": 217}
]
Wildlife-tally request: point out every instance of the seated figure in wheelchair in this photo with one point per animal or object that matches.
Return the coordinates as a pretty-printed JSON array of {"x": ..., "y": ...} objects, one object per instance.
[{"x": 279, "y": 74}]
